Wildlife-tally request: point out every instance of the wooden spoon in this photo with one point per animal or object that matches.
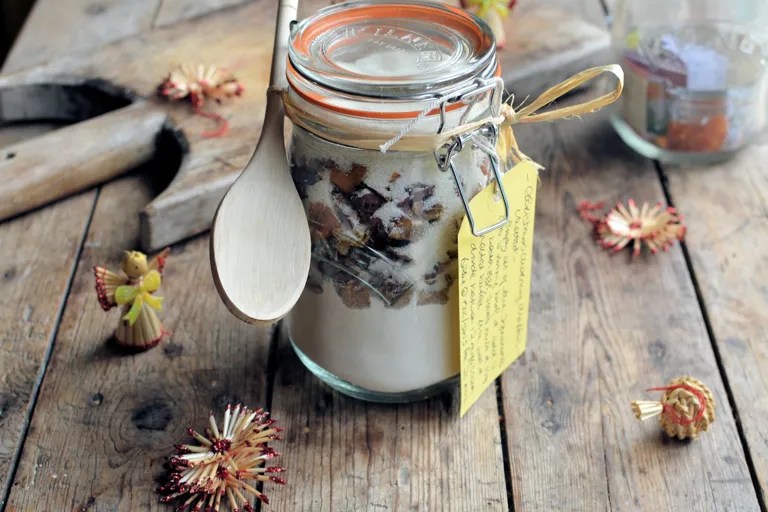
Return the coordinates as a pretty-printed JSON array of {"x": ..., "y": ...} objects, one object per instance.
[{"x": 260, "y": 246}]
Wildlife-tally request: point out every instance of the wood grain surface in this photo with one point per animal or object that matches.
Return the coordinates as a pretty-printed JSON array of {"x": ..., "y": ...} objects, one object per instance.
[
  {"x": 346, "y": 455},
  {"x": 151, "y": 402},
  {"x": 55, "y": 28},
  {"x": 39, "y": 250},
  {"x": 176, "y": 10},
  {"x": 106, "y": 421},
  {"x": 725, "y": 208},
  {"x": 546, "y": 44},
  {"x": 35, "y": 172},
  {"x": 603, "y": 328}
]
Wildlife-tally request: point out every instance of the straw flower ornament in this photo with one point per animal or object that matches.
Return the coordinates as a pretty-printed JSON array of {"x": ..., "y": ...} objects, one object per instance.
[
  {"x": 198, "y": 83},
  {"x": 654, "y": 227},
  {"x": 493, "y": 12},
  {"x": 685, "y": 409},
  {"x": 221, "y": 470}
]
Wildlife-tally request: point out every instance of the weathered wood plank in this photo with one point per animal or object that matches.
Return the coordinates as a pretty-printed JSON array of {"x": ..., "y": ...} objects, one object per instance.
[
  {"x": 346, "y": 455},
  {"x": 105, "y": 421},
  {"x": 38, "y": 250},
  {"x": 725, "y": 210},
  {"x": 602, "y": 329},
  {"x": 48, "y": 230},
  {"x": 37, "y": 253},
  {"x": 56, "y": 28},
  {"x": 172, "y": 11}
]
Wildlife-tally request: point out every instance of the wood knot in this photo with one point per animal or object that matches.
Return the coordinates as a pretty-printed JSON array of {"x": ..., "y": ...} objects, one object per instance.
[{"x": 155, "y": 415}]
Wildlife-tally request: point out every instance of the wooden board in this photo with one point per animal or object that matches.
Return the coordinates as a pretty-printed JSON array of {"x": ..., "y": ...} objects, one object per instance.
[
  {"x": 106, "y": 421},
  {"x": 725, "y": 211},
  {"x": 602, "y": 329},
  {"x": 545, "y": 45},
  {"x": 347, "y": 455},
  {"x": 39, "y": 250},
  {"x": 177, "y": 10},
  {"x": 91, "y": 24}
]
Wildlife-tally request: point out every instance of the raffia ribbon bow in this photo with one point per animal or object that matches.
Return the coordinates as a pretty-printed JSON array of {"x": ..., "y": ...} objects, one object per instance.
[
  {"x": 139, "y": 294},
  {"x": 507, "y": 145}
]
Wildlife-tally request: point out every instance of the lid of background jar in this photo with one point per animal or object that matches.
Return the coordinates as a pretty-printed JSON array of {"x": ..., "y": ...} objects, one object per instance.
[{"x": 399, "y": 50}]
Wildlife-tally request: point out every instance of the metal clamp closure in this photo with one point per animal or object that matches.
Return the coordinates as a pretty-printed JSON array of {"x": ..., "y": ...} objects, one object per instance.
[
  {"x": 484, "y": 138},
  {"x": 479, "y": 86}
]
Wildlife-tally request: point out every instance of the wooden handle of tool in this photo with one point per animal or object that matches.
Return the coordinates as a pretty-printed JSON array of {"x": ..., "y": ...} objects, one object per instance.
[{"x": 55, "y": 165}]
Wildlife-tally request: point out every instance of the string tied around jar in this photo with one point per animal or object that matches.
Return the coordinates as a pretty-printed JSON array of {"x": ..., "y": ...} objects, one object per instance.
[
  {"x": 506, "y": 117},
  {"x": 491, "y": 134}
]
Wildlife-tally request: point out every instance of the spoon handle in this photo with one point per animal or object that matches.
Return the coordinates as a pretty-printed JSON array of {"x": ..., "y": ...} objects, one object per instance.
[{"x": 286, "y": 13}]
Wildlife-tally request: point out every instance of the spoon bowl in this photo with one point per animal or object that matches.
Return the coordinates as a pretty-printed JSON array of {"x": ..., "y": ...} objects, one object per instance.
[{"x": 260, "y": 245}]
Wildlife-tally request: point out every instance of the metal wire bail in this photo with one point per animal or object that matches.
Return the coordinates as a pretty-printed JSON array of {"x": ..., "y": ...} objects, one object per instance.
[
  {"x": 446, "y": 154},
  {"x": 449, "y": 152}
]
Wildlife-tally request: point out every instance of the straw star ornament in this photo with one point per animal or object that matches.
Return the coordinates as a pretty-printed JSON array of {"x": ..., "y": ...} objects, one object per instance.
[
  {"x": 220, "y": 473},
  {"x": 199, "y": 83},
  {"x": 654, "y": 227}
]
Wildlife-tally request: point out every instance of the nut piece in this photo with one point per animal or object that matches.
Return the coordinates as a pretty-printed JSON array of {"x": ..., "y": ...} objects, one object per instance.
[
  {"x": 354, "y": 294},
  {"x": 322, "y": 221},
  {"x": 305, "y": 175},
  {"x": 347, "y": 181},
  {"x": 365, "y": 201}
]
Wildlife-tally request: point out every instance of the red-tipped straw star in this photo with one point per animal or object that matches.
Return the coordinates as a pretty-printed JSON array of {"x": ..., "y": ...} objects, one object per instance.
[{"x": 221, "y": 472}]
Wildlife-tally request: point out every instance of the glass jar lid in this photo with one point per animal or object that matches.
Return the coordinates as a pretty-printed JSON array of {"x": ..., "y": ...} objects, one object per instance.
[{"x": 398, "y": 50}]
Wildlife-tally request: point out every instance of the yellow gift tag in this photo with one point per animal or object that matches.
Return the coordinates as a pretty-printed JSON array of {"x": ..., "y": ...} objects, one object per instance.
[{"x": 495, "y": 282}]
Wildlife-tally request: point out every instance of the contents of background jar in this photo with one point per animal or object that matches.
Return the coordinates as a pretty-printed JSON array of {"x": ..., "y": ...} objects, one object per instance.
[{"x": 693, "y": 88}]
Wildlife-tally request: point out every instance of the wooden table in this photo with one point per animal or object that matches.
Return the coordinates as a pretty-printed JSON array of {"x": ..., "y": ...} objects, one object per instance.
[{"x": 84, "y": 428}]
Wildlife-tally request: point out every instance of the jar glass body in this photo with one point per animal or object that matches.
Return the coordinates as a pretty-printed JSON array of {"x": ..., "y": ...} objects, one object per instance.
[
  {"x": 377, "y": 319},
  {"x": 695, "y": 77}
]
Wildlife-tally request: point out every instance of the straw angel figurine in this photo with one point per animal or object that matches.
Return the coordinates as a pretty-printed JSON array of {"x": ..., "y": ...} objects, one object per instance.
[
  {"x": 493, "y": 12},
  {"x": 139, "y": 327}
]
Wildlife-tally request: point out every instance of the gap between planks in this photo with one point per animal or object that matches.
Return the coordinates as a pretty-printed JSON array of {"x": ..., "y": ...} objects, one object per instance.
[
  {"x": 35, "y": 393},
  {"x": 504, "y": 445},
  {"x": 271, "y": 371},
  {"x": 46, "y": 358},
  {"x": 663, "y": 180}
]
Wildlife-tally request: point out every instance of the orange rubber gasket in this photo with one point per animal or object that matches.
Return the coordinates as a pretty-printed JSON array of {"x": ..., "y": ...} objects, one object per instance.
[
  {"x": 454, "y": 17},
  {"x": 460, "y": 20},
  {"x": 321, "y": 101}
]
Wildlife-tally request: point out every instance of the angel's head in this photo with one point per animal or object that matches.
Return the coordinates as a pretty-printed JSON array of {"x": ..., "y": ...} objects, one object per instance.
[{"x": 134, "y": 264}]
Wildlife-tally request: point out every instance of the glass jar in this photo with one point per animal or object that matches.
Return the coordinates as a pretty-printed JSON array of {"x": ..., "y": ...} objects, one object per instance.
[
  {"x": 695, "y": 80},
  {"x": 378, "y": 317}
]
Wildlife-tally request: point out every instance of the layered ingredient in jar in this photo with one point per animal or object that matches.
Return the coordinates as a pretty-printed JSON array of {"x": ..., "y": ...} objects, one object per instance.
[{"x": 379, "y": 308}]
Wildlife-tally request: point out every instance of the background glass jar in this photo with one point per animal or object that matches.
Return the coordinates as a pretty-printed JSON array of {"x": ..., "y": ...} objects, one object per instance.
[
  {"x": 695, "y": 76},
  {"x": 378, "y": 318}
]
